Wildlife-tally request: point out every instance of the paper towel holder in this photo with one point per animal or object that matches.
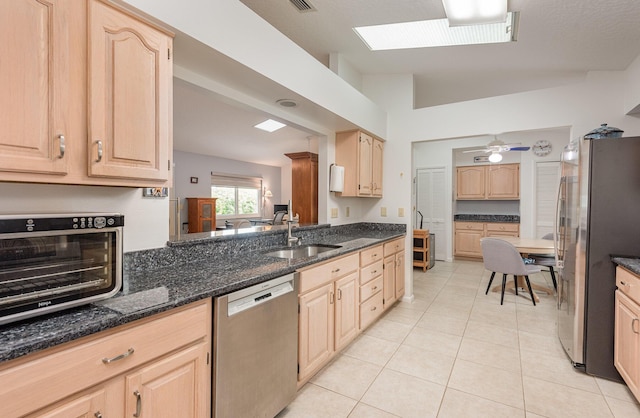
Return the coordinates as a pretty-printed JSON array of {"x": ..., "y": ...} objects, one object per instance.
[{"x": 336, "y": 178}]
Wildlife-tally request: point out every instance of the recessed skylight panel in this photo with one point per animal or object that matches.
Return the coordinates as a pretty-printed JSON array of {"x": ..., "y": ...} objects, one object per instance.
[{"x": 434, "y": 33}]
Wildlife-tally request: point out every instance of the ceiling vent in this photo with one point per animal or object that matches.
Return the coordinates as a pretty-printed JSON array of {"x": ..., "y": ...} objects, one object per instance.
[{"x": 303, "y": 6}]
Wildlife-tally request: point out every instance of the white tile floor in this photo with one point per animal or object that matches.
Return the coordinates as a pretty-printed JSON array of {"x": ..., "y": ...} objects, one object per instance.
[{"x": 455, "y": 352}]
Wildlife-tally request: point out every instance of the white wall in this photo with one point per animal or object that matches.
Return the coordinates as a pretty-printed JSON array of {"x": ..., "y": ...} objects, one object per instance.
[
  {"x": 146, "y": 219},
  {"x": 189, "y": 165}
]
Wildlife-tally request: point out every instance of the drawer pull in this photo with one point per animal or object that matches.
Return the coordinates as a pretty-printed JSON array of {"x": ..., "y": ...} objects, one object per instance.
[
  {"x": 374, "y": 288},
  {"x": 120, "y": 357},
  {"x": 374, "y": 272},
  {"x": 138, "y": 403},
  {"x": 374, "y": 308},
  {"x": 633, "y": 327},
  {"x": 623, "y": 283},
  {"x": 335, "y": 271},
  {"x": 98, "y": 414}
]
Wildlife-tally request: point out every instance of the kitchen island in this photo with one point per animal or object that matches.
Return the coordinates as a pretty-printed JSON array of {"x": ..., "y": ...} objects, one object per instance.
[{"x": 200, "y": 266}]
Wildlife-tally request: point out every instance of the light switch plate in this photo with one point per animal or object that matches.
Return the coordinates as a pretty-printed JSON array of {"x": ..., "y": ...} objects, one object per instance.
[
  {"x": 383, "y": 211},
  {"x": 400, "y": 212},
  {"x": 334, "y": 212}
]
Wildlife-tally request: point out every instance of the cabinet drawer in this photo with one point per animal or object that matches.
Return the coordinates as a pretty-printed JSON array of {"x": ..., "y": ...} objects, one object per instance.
[
  {"x": 319, "y": 275},
  {"x": 502, "y": 227},
  {"x": 628, "y": 283},
  {"x": 471, "y": 226},
  {"x": 371, "y": 272},
  {"x": 370, "y": 310},
  {"x": 43, "y": 378},
  {"x": 370, "y": 288},
  {"x": 371, "y": 255},
  {"x": 395, "y": 246}
]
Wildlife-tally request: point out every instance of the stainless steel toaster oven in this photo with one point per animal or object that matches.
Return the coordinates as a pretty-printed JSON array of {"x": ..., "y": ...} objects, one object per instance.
[{"x": 53, "y": 262}]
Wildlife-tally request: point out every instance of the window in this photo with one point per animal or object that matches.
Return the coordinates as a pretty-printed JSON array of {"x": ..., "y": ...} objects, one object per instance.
[{"x": 237, "y": 196}]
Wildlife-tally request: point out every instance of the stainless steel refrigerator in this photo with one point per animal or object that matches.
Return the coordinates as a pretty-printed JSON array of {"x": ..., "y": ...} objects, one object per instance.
[{"x": 598, "y": 216}]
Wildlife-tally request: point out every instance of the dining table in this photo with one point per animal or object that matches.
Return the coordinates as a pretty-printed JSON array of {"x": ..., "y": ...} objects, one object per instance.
[{"x": 525, "y": 247}]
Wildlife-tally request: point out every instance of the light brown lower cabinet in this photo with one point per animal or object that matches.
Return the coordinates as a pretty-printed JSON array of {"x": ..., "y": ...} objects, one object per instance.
[
  {"x": 328, "y": 312},
  {"x": 627, "y": 329},
  {"x": 467, "y": 236},
  {"x": 155, "y": 367},
  {"x": 340, "y": 298},
  {"x": 393, "y": 272},
  {"x": 371, "y": 285}
]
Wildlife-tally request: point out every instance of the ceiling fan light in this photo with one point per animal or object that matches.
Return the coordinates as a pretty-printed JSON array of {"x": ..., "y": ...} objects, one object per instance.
[{"x": 495, "y": 157}]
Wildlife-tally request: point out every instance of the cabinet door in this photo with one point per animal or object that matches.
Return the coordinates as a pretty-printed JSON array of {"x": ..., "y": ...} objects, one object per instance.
[
  {"x": 89, "y": 405},
  {"x": 365, "y": 156},
  {"x": 467, "y": 243},
  {"x": 34, "y": 81},
  {"x": 470, "y": 182},
  {"x": 207, "y": 211},
  {"x": 346, "y": 310},
  {"x": 130, "y": 114},
  {"x": 176, "y": 386},
  {"x": 376, "y": 167},
  {"x": 389, "y": 283},
  {"x": 627, "y": 341},
  {"x": 503, "y": 181},
  {"x": 399, "y": 275},
  {"x": 316, "y": 329}
]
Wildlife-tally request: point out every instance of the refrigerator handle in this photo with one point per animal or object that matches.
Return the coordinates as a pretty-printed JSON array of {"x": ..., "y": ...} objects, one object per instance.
[{"x": 556, "y": 230}]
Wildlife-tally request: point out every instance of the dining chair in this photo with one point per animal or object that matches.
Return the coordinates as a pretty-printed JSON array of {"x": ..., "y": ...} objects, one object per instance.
[
  {"x": 500, "y": 256},
  {"x": 545, "y": 260}
]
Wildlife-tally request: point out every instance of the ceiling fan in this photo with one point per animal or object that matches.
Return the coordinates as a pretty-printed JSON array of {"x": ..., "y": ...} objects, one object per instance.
[{"x": 496, "y": 147}]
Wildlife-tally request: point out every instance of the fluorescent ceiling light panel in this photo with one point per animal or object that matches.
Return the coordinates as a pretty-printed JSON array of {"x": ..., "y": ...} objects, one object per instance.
[
  {"x": 270, "y": 125},
  {"x": 475, "y": 12},
  {"x": 437, "y": 32}
]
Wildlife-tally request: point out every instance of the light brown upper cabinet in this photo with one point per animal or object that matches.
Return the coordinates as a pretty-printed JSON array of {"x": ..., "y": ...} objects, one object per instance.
[
  {"x": 91, "y": 103},
  {"x": 361, "y": 155},
  {"x": 493, "y": 182}
]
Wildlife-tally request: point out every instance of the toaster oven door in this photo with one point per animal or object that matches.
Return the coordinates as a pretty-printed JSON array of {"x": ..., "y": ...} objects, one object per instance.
[{"x": 47, "y": 271}]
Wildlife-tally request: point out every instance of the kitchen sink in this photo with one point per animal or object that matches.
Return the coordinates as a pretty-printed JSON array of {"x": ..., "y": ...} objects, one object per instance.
[{"x": 302, "y": 251}]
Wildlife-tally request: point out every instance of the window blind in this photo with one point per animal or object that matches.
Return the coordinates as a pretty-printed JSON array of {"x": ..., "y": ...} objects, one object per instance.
[{"x": 233, "y": 180}]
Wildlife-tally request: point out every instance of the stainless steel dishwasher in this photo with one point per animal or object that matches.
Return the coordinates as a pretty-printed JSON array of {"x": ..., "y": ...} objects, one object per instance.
[{"x": 256, "y": 349}]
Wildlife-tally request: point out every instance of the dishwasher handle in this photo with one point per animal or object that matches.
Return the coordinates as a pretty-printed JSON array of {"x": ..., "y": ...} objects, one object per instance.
[{"x": 246, "y": 299}]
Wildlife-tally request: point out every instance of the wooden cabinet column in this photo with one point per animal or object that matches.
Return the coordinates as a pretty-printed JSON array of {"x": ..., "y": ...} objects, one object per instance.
[{"x": 304, "y": 186}]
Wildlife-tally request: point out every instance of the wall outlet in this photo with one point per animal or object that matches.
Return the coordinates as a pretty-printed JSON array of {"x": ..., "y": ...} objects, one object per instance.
[
  {"x": 334, "y": 212},
  {"x": 400, "y": 212},
  {"x": 347, "y": 211},
  {"x": 383, "y": 211}
]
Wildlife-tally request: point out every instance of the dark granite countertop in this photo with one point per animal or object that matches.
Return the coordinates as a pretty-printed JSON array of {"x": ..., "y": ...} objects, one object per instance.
[
  {"x": 487, "y": 218},
  {"x": 183, "y": 272},
  {"x": 630, "y": 263}
]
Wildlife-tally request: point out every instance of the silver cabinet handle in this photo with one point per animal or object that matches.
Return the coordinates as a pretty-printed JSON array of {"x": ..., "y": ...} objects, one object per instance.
[
  {"x": 98, "y": 414},
  {"x": 339, "y": 294},
  {"x": 374, "y": 308},
  {"x": 138, "y": 396},
  {"x": 374, "y": 272},
  {"x": 62, "y": 146},
  {"x": 335, "y": 271},
  {"x": 120, "y": 357},
  {"x": 99, "y": 142},
  {"x": 633, "y": 328},
  {"x": 331, "y": 298},
  {"x": 374, "y": 288}
]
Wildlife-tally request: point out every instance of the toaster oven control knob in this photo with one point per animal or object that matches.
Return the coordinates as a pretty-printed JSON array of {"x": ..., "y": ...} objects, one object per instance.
[{"x": 99, "y": 222}]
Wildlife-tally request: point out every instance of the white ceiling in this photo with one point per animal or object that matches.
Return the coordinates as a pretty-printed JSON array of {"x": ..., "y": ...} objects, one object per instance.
[{"x": 559, "y": 41}]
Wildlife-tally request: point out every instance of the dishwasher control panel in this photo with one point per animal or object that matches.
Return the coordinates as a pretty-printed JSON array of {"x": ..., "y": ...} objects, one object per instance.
[{"x": 253, "y": 296}]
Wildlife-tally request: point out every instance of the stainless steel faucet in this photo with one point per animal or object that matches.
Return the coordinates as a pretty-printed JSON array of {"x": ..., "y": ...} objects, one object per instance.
[{"x": 290, "y": 238}]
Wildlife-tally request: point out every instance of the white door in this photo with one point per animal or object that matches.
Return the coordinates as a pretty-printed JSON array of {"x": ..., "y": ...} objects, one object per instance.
[
  {"x": 547, "y": 182},
  {"x": 431, "y": 202}
]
